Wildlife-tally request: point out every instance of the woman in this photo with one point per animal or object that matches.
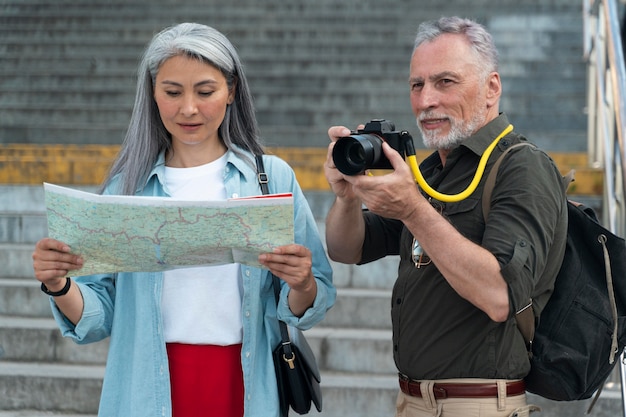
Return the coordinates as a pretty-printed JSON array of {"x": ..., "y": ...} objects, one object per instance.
[{"x": 193, "y": 341}]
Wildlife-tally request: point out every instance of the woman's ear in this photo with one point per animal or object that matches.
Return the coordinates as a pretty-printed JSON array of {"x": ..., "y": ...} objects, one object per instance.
[{"x": 233, "y": 91}]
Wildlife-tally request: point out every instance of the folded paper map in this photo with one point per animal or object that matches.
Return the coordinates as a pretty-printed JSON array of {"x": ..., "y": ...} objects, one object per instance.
[{"x": 128, "y": 233}]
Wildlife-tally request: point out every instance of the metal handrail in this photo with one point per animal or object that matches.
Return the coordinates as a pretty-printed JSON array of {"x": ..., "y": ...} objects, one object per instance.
[{"x": 606, "y": 105}]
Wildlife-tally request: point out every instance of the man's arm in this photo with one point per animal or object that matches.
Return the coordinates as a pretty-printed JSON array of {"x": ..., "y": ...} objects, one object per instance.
[
  {"x": 345, "y": 231},
  {"x": 471, "y": 270}
]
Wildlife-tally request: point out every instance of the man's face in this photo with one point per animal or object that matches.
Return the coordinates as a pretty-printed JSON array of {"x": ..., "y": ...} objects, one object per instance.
[{"x": 451, "y": 95}]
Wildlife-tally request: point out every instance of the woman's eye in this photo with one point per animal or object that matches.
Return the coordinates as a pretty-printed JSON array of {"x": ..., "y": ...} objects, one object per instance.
[
  {"x": 205, "y": 93},
  {"x": 172, "y": 93}
]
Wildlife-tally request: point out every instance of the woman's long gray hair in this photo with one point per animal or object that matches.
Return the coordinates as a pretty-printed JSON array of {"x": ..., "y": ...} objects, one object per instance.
[
  {"x": 147, "y": 137},
  {"x": 476, "y": 34}
]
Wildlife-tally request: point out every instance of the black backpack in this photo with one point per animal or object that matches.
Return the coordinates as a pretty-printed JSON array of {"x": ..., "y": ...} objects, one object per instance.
[{"x": 581, "y": 332}]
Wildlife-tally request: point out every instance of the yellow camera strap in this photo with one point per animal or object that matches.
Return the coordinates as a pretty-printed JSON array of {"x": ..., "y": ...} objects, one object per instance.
[{"x": 452, "y": 198}]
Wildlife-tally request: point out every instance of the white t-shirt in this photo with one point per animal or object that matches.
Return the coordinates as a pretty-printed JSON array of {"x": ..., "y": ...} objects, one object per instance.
[{"x": 201, "y": 305}]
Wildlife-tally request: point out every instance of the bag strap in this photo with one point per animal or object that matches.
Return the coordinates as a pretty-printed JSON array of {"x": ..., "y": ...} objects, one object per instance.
[
  {"x": 261, "y": 175},
  {"x": 490, "y": 182},
  {"x": 525, "y": 318},
  {"x": 288, "y": 354}
]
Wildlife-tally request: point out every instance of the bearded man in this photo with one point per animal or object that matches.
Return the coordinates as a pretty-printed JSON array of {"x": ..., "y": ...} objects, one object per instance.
[{"x": 461, "y": 279}]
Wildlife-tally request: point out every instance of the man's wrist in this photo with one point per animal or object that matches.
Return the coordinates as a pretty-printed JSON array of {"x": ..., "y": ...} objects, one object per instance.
[{"x": 55, "y": 291}]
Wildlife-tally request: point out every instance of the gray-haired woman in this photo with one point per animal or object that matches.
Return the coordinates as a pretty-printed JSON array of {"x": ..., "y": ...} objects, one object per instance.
[{"x": 193, "y": 340}]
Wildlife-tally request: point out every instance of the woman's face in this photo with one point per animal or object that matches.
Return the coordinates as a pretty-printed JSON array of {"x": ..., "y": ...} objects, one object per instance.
[{"x": 192, "y": 97}]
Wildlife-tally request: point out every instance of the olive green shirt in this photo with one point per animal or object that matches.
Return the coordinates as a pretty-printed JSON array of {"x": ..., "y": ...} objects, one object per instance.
[{"x": 437, "y": 334}]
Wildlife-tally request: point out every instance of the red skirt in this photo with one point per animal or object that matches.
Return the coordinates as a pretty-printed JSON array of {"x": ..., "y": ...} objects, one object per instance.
[{"x": 206, "y": 380}]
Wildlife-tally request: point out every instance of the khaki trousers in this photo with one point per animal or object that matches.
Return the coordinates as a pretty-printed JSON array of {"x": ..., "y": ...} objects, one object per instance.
[{"x": 429, "y": 406}]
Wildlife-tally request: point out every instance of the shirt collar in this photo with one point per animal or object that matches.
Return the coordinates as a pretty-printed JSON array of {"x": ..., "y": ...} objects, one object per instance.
[
  {"x": 481, "y": 140},
  {"x": 477, "y": 143},
  {"x": 246, "y": 167}
]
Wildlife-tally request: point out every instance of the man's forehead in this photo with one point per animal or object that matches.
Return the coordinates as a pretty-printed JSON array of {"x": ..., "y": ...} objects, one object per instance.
[{"x": 441, "y": 55}]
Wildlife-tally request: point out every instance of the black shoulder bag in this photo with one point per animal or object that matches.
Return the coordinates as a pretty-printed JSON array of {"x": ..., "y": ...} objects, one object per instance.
[{"x": 297, "y": 373}]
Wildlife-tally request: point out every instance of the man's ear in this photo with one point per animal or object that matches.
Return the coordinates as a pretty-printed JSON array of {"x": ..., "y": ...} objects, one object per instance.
[{"x": 494, "y": 89}]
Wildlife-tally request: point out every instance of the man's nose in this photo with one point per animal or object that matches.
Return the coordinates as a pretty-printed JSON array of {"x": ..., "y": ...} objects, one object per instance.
[{"x": 428, "y": 98}]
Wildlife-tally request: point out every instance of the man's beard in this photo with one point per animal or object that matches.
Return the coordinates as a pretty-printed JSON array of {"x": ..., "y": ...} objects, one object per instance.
[{"x": 459, "y": 131}]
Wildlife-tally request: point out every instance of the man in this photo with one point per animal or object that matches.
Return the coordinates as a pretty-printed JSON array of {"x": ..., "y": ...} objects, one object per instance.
[{"x": 455, "y": 341}]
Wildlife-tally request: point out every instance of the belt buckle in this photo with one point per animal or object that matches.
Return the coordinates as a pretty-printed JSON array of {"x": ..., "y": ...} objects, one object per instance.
[{"x": 440, "y": 393}]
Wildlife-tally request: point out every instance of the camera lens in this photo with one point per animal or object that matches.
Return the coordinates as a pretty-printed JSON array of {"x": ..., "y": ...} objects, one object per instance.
[{"x": 354, "y": 154}]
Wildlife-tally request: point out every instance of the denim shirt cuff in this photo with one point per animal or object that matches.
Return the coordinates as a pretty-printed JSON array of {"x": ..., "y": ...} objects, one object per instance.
[
  {"x": 90, "y": 319},
  {"x": 311, "y": 316}
]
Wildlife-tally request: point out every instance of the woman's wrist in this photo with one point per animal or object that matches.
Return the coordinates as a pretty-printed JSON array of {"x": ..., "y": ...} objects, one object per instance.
[{"x": 57, "y": 289}]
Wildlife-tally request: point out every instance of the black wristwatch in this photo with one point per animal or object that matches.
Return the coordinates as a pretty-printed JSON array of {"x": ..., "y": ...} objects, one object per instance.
[{"x": 63, "y": 290}]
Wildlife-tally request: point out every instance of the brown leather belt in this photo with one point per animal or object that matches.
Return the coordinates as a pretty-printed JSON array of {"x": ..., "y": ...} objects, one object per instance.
[{"x": 460, "y": 390}]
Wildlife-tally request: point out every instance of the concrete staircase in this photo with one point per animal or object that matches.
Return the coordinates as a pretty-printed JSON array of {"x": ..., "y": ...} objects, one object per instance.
[
  {"x": 68, "y": 66},
  {"x": 67, "y": 77},
  {"x": 42, "y": 373}
]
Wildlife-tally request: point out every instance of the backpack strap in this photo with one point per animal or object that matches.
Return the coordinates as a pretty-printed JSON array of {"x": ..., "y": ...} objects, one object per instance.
[
  {"x": 490, "y": 182},
  {"x": 525, "y": 318}
]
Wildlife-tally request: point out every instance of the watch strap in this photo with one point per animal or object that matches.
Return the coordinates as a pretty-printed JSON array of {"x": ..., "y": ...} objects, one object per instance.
[{"x": 59, "y": 293}]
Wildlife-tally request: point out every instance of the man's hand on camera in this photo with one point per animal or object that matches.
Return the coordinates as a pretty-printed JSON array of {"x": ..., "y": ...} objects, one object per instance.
[
  {"x": 393, "y": 195},
  {"x": 336, "y": 179}
]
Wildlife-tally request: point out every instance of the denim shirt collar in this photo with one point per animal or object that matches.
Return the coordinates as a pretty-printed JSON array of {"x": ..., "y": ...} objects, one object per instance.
[{"x": 245, "y": 166}]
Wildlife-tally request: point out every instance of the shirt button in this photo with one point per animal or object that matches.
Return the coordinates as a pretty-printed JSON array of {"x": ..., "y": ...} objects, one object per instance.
[
  {"x": 398, "y": 300},
  {"x": 247, "y": 272},
  {"x": 235, "y": 195},
  {"x": 248, "y": 354},
  {"x": 247, "y": 314}
]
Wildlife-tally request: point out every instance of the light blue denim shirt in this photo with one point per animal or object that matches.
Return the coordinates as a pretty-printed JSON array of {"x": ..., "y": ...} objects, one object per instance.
[{"x": 127, "y": 308}]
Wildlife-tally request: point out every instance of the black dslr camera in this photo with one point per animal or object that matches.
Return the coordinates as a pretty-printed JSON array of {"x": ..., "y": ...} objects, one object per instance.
[{"x": 363, "y": 148}]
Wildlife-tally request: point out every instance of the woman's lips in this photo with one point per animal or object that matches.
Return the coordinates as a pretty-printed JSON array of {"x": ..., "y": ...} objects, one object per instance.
[{"x": 189, "y": 126}]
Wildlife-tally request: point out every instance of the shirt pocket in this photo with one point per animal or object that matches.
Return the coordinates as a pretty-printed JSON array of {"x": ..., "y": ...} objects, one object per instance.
[{"x": 466, "y": 217}]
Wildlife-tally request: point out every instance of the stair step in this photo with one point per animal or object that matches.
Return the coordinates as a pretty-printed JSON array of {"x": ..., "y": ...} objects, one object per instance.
[
  {"x": 360, "y": 308},
  {"x": 16, "y": 260},
  {"x": 354, "y": 307},
  {"x": 50, "y": 387},
  {"x": 37, "y": 413},
  {"x": 28, "y": 339},
  {"x": 39, "y": 339},
  {"x": 352, "y": 350},
  {"x": 42, "y": 387},
  {"x": 23, "y": 297}
]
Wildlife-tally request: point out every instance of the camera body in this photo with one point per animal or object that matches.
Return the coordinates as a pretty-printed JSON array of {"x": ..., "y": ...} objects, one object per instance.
[{"x": 363, "y": 150}]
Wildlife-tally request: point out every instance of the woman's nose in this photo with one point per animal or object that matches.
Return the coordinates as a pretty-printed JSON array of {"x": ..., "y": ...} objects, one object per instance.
[{"x": 189, "y": 107}]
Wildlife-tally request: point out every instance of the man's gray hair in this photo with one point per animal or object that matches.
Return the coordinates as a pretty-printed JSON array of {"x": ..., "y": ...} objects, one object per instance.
[{"x": 476, "y": 34}]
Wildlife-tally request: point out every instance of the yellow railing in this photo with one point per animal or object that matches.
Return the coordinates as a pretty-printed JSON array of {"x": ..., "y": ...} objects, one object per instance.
[{"x": 88, "y": 165}]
